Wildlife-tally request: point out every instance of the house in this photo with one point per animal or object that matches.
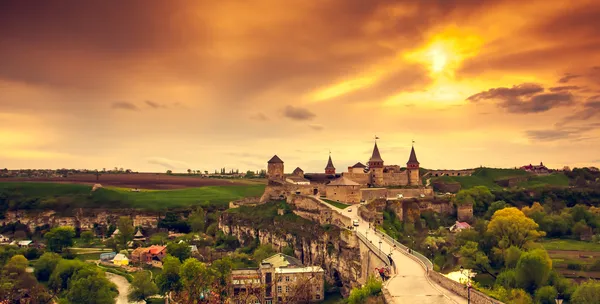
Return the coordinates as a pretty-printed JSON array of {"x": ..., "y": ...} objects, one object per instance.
[
  {"x": 152, "y": 255},
  {"x": 120, "y": 260},
  {"x": 4, "y": 239},
  {"x": 541, "y": 169},
  {"x": 458, "y": 226},
  {"x": 279, "y": 279},
  {"x": 22, "y": 244},
  {"x": 107, "y": 256}
]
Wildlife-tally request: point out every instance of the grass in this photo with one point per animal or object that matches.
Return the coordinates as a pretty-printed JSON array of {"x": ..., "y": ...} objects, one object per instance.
[
  {"x": 55, "y": 196},
  {"x": 570, "y": 245},
  {"x": 336, "y": 204},
  {"x": 488, "y": 177}
]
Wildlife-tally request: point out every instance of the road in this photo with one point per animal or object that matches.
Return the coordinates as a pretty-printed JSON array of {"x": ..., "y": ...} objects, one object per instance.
[
  {"x": 122, "y": 286},
  {"x": 410, "y": 284}
]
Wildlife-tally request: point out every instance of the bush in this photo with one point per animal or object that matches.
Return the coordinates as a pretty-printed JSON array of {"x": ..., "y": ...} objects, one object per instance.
[
  {"x": 360, "y": 295},
  {"x": 546, "y": 295},
  {"x": 507, "y": 279},
  {"x": 595, "y": 266},
  {"x": 575, "y": 266}
]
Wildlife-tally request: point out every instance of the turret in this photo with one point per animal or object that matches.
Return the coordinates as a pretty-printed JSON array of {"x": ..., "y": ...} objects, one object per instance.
[
  {"x": 329, "y": 169},
  {"x": 275, "y": 168},
  {"x": 413, "y": 168}
]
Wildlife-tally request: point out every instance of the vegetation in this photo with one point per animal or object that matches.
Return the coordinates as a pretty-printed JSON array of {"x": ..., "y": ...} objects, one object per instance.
[
  {"x": 60, "y": 197},
  {"x": 335, "y": 204},
  {"x": 490, "y": 178},
  {"x": 142, "y": 287},
  {"x": 59, "y": 238},
  {"x": 370, "y": 289}
]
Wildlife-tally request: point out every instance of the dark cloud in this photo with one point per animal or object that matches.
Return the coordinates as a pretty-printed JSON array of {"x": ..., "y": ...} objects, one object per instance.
[
  {"x": 124, "y": 105},
  {"x": 297, "y": 113},
  {"x": 564, "y": 88},
  {"x": 591, "y": 109},
  {"x": 568, "y": 77},
  {"x": 154, "y": 105},
  {"x": 316, "y": 127},
  {"x": 574, "y": 133},
  {"x": 525, "y": 98},
  {"x": 259, "y": 116}
]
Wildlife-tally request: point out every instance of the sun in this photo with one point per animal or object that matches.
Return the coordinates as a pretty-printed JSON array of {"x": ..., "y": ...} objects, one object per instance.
[{"x": 438, "y": 58}]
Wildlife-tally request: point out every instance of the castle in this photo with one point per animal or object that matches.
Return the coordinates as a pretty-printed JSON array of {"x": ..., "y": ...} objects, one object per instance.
[{"x": 359, "y": 183}]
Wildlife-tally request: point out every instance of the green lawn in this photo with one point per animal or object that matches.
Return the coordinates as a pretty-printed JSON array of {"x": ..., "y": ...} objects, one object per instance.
[
  {"x": 335, "y": 204},
  {"x": 488, "y": 177},
  {"x": 35, "y": 196},
  {"x": 572, "y": 245}
]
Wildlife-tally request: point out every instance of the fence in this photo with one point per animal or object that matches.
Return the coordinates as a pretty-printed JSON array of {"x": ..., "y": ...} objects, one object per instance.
[
  {"x": 425, "y": 261},
  {"x": 374, "y": 249}
]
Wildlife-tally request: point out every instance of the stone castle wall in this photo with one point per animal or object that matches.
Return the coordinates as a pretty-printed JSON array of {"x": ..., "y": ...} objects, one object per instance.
[
  {"x": 464, "y": 213},
  {"x": 84, "y": 221},
  {"x": 360, "y": 177},
  {"x": 368, "y": 194},
  {"x": 395, "y": 179},
  {"x": 310, "y": 208},
  {"x": 346, "y": 194}
]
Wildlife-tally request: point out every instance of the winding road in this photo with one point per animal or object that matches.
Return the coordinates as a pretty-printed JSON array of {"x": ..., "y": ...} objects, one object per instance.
[
  {"x": 122, "y": 285},
  {"x": 410, "y": 284}
]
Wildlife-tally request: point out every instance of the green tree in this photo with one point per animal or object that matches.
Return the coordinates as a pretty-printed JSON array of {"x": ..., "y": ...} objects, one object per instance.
[
  {"x": 182, "y": 251},
  {"x": 512, "y": 256},
  {"x": 91, "y": 287},
  {"x": 472, "y": 257},
  {"x": 507, "y": 279},
  {"x": 126, "y": 231},
  {"x": 510, "y": 227},
  {"x": 46, "y": 265},
  {"x": 87, "y": 237},
  {"x": 197, "y": 220},
  {"x": 64, "y": 270},
  {"x": 169, "y": 280},
  {"x": 196, "y": 278},
  {"x": 546, "y": 295},
  {"x": 533, "y": 269},
  {"x": 287, "y": 250},
  {"x": 588, "y": 292},
  {"x": 18, "y": 286},
  {"x": 495, "y": 206},
  {"x": 142, "y": 287},
  {"x": 159, "y": 238},
  {"x": 262, "y": 252},
  {"x": 519, "y": 296},
  {"x": 59, "y": 238}
]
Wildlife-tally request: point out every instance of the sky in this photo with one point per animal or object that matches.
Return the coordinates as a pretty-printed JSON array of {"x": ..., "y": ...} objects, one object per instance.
[{"x": 156, "y": 85}]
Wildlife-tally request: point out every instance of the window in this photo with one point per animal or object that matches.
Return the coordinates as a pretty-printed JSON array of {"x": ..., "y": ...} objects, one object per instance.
[
  {"x": 278, "y": 289},
  {"x": 268, "y": 301},
  {"x": 287, "y": 289},
  {"x": 257, "y": 301},
  {"x": 318, "y": 297},
  {"x": 287, "y": 278},
  {"x": 318, "y": 287}
]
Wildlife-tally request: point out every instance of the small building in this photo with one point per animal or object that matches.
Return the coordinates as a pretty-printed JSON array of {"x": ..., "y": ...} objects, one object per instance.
[
  {"x": 152, "y": 255},
  {"x": 120, "y": 260},
  {"x": 343, "y": 190},
  {"x": 4, "y": 239},
  {"x": 107, "y": 256},
  {"x": 297, "y": 180},
  {"x": 541, "y": 169},
  {"x": 298, "y": 172},
  {"x": 139, "y": 236},
  {"x": 23, "y": 244},
  {"x": 357, "y": 168},
  {"x": 458, "y": 226}
]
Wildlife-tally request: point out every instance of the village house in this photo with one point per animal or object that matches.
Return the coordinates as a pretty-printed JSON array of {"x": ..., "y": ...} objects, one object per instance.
[
  {"x": 541, "y": 169},
  {"x": 4, "y": 239},
  {"x": 152, "y": 255},
  {"x": 459, "y": 226},
  {"x": 120, "y": 260},
  {"x": 278, "y": 279}
]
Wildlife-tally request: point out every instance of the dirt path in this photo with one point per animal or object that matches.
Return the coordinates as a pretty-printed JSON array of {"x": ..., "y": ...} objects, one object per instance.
[{"x": 122, "y": 286}]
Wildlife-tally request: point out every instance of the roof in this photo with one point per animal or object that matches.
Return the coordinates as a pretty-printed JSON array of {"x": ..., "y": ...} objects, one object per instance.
[
  {"x": 120, "y": 257},
  {"x": 412, "y": 159},
  {"x": 298, "y": 170},
  {"x": 24, "y": 243},
  {"x": 359, "y": 165},
  {"x": 116, "y": 231},
  {"x": 462, "y": 225},
  {"x": 376, "y": 156},
  {"x": 275, "y": 160},
  {"x": 138, "y": 234},
  {"x": 297, "y": 179},
  {"x": 320, "y": 178},
  {"x": 308, "y": 269},
  {"x": 281, "y": 260},
  {"x": 156, "y": 249},
  {"x": 343, "y": 181},
  {"x": 329, "y": 164}
]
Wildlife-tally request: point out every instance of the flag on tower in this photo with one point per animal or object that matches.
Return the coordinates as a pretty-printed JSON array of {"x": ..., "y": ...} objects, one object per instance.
[{"x": 376, "y": 137}]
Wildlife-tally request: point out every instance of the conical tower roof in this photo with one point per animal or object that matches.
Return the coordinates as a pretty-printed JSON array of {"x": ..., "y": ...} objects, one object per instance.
[
  {"x": 329, "y": 164},
  {"x": 413, "y": 157},
  {"x": 376, "y": 156}
]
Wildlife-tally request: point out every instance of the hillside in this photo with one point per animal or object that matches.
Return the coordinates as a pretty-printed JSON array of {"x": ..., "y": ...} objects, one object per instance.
[
  {"x": 490, "y": 177},
  {"x": 60, "y": 197}
]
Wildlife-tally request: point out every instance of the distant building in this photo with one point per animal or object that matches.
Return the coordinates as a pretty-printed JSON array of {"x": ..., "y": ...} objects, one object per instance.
[
  {"x": 330, "y": 169},
  {"x": 4, "y": 239},
  {"x": 279, "y": 279},
  {"x": 458, "y": 226},
  {"x": 152, "y": 255},
  {"x": 107, "y": 256},
  {"x": 120, "y": 260},
  {"x": 541, "y": 169}
]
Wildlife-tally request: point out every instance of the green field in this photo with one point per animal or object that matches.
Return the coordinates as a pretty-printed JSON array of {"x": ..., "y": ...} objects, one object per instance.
[
  {"x": 570, "y": 245},
  {"x": 38, "y": 196},
  {"x": 335, "y": 204},
  {"x": 488, "y": 177}
]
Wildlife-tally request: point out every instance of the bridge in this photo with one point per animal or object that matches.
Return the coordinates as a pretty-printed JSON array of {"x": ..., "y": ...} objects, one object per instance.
[{"x": 413, "y": 279}]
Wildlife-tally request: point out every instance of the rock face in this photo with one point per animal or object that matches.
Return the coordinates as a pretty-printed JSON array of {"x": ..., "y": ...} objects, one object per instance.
[
  {"x": 83, "y": 218},
  {"x": 335, "y": 250}
]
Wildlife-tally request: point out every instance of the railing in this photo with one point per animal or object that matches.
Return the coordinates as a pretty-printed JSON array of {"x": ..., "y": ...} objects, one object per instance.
[
  {"x": 374, "y": 249},
  {"x": 426, "y": 262}
]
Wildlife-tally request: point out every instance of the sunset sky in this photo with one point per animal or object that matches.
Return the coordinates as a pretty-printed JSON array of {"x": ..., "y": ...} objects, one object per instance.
[{"x": 154, "y": 85}]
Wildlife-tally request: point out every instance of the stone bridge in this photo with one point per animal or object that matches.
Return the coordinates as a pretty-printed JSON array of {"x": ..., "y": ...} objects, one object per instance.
[{"x": 413, "y": 279}]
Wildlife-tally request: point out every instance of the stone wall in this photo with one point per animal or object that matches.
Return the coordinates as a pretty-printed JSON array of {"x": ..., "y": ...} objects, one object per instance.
[
  {"x": 310, "y": 208},
  {"x": 441, "y": 186},
  {"x": 346, "y": 194},
  {"x": 466, "y": 172},
  {"x": 477, "y": 297},
  {"x": 395, "y": 179},
  {"x": 359, "y": 177},
  {"x": 247, "y": 201},
  {"x": 368, "y": 194},
  {"x": 464, "y": 213}
]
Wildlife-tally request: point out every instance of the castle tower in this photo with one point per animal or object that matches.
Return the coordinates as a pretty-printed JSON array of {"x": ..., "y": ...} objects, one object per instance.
[
  {"x": 376, "y": 167},
  {"x": 329, "y": 169},
  {"x": 275, "y": 168},
  {"x": 412, "y": 167}
]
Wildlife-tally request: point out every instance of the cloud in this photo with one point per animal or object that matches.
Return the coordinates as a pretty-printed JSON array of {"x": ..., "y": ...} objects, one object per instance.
[
  {"x": 168, "y": 163},
  {"x": 590, "y": 109},
  {"x": 568, "y": 77},
  {"x": 525, "y": 98},
  {"x": 564, "y": 88},
  {"x": 559, "y": 133},
  {"x": 259, "y": 116},
  {"x": 124, "y": 105},
  {"x": 154, "y": 105},
  {"x": 297, "y": 113},
  {"x": 316, "y": 127}
]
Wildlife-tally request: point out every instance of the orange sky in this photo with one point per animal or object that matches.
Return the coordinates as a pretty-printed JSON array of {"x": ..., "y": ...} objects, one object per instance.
[{"x": 154, "y": 85}]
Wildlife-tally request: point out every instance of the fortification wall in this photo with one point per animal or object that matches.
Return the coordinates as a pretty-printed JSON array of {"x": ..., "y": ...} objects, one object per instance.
[
  {"x": 361, "y": 178},
  {"x": 310, "y": 208},
  {"x": 395, "y": 179},
  {"x": 465, "y": 172},
  {"x": 82, "y": 220},
  {"x": 346, "y": 194},
  {"x": 368, "y": 194}
]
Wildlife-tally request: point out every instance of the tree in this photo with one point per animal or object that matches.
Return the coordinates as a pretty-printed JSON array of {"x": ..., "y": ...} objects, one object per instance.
[
  {"x": 87, "y": 237},
  {"x": 197, "y": 220},
  {"x": 18, "y": 286},
  {"x": 472, "y": 257},
  {"x": 142, "y": 287},
  {"x": 189, "y": 171},
  {"x": 159, "y": 238},
  {"x": 91, "y": 286},
  {"x": 126, "y": 231},
  {"x": 588, "y": 292},
  {"x": 46, "y": 265},
  {"x": 495, "y": 206},
  {"x": 546, "y": 295},
  {"x": 581, "y": 229},
  {"x": 59, "y": 238},
  {"x": 181, "y": 251},
  {"x": 510, "y": 227},
  {"x": 196, "y": 278},
  {"x": 506, "y": 279},
  {"x": 169, "y": 280},
  {"x": 512, "y": 256},
  {"x": 169, "y": 172},
  {"x": 533, "y": 269},
  {"x": 263, "y": 252}
]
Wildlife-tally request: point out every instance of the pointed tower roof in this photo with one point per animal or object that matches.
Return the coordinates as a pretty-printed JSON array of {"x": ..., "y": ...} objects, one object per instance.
[
  {"x": 138, "y": 234},
  {"x": 298, "y": 170},
  {"x": 275, "y": 160},
  {"x": 413, "y": 157},
  {"x": 329, "y": 164},
  {"x": 376, "y": 156}
]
